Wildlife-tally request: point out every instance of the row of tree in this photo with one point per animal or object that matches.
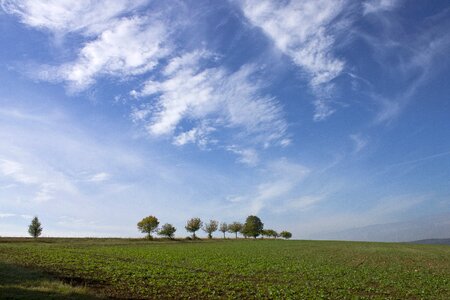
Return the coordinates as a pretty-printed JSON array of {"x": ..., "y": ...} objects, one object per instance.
[{"x": 253, "y": 227}]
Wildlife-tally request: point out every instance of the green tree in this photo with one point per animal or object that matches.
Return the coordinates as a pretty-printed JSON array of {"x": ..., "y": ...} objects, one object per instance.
[
  {"x": 148, "y": 225},
  {"x": 271, "y": 233},
  {"x": 211, "y": 227},
  {"x": 235, "y": 227},
  {"x": 35, "y": 228},
  {"x": 167, "y": 230},
  {"x": 223, "y": 228},
  {"x": 193, "y": 225},
  {"x": 264, "y": 233},
  {"x": 286, "y": 235},
  {"x": 253, "y": 226}
]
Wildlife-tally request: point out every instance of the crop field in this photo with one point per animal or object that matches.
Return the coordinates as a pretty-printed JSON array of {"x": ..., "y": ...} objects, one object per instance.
[{"x": 230, "y": 269}]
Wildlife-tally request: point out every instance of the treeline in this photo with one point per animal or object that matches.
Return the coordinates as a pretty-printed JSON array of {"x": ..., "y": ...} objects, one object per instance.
[{"x": 253, "y": 227}]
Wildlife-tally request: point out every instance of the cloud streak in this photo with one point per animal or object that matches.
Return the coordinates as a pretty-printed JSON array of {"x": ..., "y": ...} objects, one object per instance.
[
  {"x": 131, "y": 46},
  {"x": 301, "y": 30},
  {"x": 209, "y": 98}
]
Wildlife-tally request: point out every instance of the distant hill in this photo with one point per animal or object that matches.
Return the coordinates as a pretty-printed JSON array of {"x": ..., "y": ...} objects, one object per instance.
[
  {"x": 432, "y": 242},
  {"x": 436, "y": 227}
]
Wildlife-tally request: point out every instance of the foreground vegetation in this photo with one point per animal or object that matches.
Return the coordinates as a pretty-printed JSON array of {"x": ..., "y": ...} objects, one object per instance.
[{"x": 232, "y": 268}]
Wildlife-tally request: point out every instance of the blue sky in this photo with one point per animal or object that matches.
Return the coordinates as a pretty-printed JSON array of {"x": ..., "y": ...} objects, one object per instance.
[{"x": 317, "y": 116}]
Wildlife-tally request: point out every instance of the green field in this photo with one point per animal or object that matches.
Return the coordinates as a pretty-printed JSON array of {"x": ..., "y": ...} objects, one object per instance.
[{"x": 242, "y": 269}]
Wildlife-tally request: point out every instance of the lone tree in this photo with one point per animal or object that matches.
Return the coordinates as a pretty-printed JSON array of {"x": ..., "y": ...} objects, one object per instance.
[
  {"x": 235, "y": 227},
  {"x": 35, "y": 228},
  {"x": 167, "y": 230},
  {"x": 253, "y": 226},
  {"x": 286, "y": 235},
  {"x": 211, "y": 227},
  {"x": 224, "y": 228},
  {"x": 148, "y": 225},
  {"x": 193, "y": 225}
]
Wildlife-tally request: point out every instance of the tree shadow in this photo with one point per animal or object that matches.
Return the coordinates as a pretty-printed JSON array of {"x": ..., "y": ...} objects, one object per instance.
[{"x": 17, "y": 282}]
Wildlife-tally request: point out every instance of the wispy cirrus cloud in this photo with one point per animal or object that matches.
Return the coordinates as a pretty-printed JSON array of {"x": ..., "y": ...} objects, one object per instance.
[
  {"x": 375, "y": 6},
  {"x": 408, "y": 60},
  {"x": 283, "y": 177},
  {"x": 303, "y": 31},
  {"x": 247, "y": 156},
  {"x": 10, "y": 215},
  {"x": 190, "y": 95},
  {"x": 46, "y": 182},
  {"x": 119, "y": 42},
  {"x": 131, "y": 46},
  {"x": 88, "y": 17},
  {"x": 100, "y": 177},
  {"x": 359, "y": 142},
  {"x": 191, "y": 91}
]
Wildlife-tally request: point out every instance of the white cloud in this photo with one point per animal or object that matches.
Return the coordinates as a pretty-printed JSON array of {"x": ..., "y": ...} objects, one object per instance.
[
  {"x": 282, "y": 178},
  {"x": 247, "y": 156},
  {"x": 191, "y": 92},
  {"x": 64, "y": 16},
  {"x": 15, "y": 171},
  {"x": 301, "y": 30},
  {"x": 359, "y": 142},
  {"x": 100, "y": 177},
  {"x": 131, "y": 46},
  {"x": 375, "y": 6},
  {"x": 197, "y": 135},
  {"x": 117, "y": 44},
  {"x": 302, "y": 203},
  {"x": 9, "y": 215},
  {"x": 5, "y": 215},
  {"x": 47, "y": 182}
]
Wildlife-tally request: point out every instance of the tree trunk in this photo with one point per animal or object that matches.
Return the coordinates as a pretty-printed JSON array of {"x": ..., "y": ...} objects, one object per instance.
[{"x": 224, "y": 234}]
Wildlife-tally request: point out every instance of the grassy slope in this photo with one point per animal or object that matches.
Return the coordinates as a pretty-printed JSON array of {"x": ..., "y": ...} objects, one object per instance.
[
  {"x": 23, "y": 283},
  {"x": 235, "y": 269}
]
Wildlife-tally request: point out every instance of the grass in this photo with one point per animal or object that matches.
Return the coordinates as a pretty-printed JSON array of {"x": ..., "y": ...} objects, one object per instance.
[
  {"x": 230, "y": 269},
  {"x": 23, "y": 283}
]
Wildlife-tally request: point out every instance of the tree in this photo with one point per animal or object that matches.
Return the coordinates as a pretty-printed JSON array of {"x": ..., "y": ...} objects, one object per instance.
[
  {"x": 264, "y": 233},
  {"x": 193, "y": 225},
  {"x": 235, "y": 227},
  {"x": 35, "y": 228},
  {"x": 286, "y": 235},
  {"x": 271, "y": 233},
  {"x": 223, "y": 228},
  {"x": 210, "y": 227},
  {"x": 253, "y": 226},
  {"x": 167, "y": 230},
  {"x": 148, "y": 225}
]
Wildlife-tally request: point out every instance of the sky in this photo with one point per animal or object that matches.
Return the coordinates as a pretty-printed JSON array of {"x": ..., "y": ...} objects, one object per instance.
[{"x": 316, "y": 116}]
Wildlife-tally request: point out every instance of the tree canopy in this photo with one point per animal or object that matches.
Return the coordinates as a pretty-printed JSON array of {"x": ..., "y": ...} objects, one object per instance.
[
  {"x": 167, "y": 230},
  {"x": 253, "y": 226},
  {"x": 35, "y": 228},
  {"x": 211, "y": 227},
  {"x": 148, "y": 225},
  {"x": 286, "y": 235},
  {"x": 193, "y": 225},
  {"x": 235, "y": 227}
]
